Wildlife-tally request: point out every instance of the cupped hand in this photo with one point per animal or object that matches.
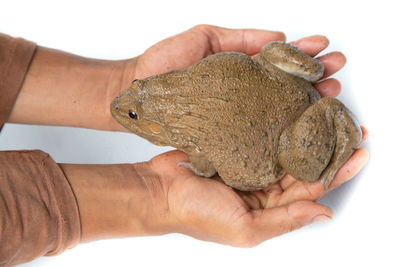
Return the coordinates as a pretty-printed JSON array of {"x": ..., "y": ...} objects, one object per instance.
[
  {"x": 208, "y": 209},
  {"x": 189, "y": 47}
]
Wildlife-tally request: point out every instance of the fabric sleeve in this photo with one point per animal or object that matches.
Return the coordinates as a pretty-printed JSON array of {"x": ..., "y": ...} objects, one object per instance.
[
  {"x": 38, "y": 210},
  {"x": 15, "y": 57}
]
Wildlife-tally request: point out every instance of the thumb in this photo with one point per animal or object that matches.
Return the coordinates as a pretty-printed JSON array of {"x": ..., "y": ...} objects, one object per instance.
[
  {"x": 248, "y": 41},
  {"x": 272, "y": 222}
]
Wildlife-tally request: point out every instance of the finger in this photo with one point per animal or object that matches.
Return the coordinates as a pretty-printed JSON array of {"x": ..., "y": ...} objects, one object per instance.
[
  {"x": 312, "y": 45},
  {"x": 359, "y": 158},
  {"x": 287, "y": 181},
  {"x": 248, "y": 41},
  {"x": 273, "y": 222},
  {"x": 330, "y": 87},
  {"x": 333, "y": 62},
  {"x": 251, "y": 200},
  {"x": 261, "y": 199}
]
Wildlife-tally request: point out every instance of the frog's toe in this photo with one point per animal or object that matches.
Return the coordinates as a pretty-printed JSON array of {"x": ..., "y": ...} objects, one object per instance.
[
  {"x": 327, "y": 178},
  {"x": 199, "y": 172}
]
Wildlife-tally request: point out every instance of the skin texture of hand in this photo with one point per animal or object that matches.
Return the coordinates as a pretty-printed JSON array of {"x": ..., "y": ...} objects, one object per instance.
[
  {"x": 209, "y": 210},
  {"x": 206, "y": 208},
  {"x": 187, "y": 48}
]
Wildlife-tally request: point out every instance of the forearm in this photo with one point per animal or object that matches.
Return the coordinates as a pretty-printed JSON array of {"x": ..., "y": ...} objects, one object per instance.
[
  {"x": 120, "y": 200},
  {"x": 69, "y": 90}
]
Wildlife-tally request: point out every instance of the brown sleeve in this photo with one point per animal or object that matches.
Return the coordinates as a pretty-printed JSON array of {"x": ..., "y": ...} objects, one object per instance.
[
  {"x": 38, "y": 211},
  {"x": 15, "y": 57}
]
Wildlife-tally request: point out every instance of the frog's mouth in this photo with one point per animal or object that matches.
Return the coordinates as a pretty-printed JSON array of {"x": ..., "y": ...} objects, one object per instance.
[{"x": 150, "y": 130}]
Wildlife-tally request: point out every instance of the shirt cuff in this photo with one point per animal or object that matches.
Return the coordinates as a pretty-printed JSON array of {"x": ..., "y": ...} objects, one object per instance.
[
  {"x": 15, "y": 57},
  {"x": 39, "y": 213}
]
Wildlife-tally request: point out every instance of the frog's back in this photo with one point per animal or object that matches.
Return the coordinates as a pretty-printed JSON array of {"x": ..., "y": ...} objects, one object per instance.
[{"x": 221, "y": 99}]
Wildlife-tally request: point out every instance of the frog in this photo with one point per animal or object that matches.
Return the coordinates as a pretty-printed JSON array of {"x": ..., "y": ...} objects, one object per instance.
[{"x": 249, "y": 120}]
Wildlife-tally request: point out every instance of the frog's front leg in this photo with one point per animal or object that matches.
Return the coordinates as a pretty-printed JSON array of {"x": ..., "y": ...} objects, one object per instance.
[
  {"x": 199, "y": 164},
  {"x": 319, "y": 141}
]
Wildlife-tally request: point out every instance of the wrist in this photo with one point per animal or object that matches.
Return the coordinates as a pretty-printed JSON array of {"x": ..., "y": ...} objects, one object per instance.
[
  {"x": 125, "y": 73},
  {"x": 120, "y": 200},
  {"x": 157, "y": 218}
]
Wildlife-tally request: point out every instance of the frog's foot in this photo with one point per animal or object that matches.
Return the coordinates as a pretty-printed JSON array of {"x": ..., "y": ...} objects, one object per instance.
[
  {"x": 292, "y": 60},
  {"x": 199, "y": 165},
  {"x": 319, "y": 142}
]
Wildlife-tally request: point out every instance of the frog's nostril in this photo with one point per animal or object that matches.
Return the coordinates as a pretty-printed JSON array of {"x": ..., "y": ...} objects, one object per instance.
[{"x": 135, "y": 80}]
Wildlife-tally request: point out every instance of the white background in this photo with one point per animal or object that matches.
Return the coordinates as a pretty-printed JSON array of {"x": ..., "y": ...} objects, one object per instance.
[{"x": 365, "y": 229}]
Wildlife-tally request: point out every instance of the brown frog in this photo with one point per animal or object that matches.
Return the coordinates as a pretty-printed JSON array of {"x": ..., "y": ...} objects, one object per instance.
[{"x": 249, "y": 119}]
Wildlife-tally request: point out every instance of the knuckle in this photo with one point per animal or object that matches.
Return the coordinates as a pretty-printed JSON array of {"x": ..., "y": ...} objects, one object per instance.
[
  {"x": 311, "y": 194},
  {"x": 201, "y": 27}
]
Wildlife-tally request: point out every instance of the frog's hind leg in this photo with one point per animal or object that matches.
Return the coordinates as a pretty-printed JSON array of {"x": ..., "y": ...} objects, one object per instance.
[
  {"x": 319, "y": 142},
  {"x": 292, "y": 60},
  {"x": 200, "y": 165}
]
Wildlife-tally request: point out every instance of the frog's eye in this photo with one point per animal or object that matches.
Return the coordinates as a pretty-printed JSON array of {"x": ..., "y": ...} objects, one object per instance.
[
  {"x": 134, "y": 80},
  {"x": 133, "y": 115}
]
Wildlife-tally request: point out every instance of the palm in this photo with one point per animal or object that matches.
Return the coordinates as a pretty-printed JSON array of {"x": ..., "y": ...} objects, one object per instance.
[
  {"x": 205, "y": 200},
  {"x": 218, "y": 213},
  {"x": 207, "y": 205},
  {"x": 208, "y": 209}
]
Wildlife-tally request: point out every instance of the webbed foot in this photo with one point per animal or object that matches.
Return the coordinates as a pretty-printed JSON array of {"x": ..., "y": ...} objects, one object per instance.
[{"x": 292, "y": 60}]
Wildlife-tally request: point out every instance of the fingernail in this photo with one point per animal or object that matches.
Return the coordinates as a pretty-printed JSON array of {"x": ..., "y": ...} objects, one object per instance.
[
  {"x": 282, "y": 35},
  {"x": 365, "y": 133},
  {"x": 321, "y": 218}
]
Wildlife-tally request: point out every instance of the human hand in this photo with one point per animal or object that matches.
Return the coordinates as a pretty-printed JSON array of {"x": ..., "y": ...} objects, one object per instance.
[
  {"x": 209, "y": 210},
  {"x": 189, "y": 47}
]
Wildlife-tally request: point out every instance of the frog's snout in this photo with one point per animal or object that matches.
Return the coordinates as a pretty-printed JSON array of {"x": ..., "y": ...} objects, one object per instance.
[
  {"x": 121, "y": 106},
  {"x": 114, "y": 106}
]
